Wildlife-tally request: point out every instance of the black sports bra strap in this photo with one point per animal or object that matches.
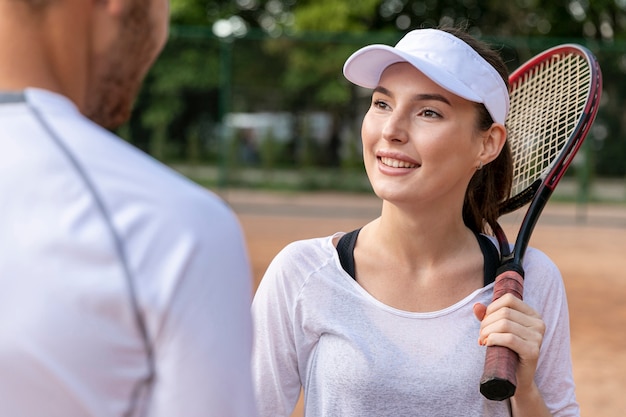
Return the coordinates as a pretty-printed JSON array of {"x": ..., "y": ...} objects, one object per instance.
[
  {"x": 492, "y": 258},
  {"x": 345, "y": 249},
  {"x": 346, "y": 244}
]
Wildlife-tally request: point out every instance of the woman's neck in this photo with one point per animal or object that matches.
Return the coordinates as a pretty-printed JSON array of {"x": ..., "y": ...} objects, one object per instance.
[
  {"x": 430, "y": 231},
  {"x": 418, "y": 262}
]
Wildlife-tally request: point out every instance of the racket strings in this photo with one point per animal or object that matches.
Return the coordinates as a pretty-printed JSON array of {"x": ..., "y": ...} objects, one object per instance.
[{"x": 546, "y": 103}]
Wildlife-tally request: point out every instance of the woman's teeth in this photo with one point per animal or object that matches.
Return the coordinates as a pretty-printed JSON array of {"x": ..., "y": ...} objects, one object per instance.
[{"x": 396, "y": 163}]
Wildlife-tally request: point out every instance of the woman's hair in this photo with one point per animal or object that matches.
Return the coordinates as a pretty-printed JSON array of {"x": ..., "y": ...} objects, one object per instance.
[{"x": 490, "y": 185}]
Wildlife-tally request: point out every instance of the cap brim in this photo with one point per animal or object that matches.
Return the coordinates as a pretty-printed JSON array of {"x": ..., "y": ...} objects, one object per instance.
[{"x": 365, "y": 67}]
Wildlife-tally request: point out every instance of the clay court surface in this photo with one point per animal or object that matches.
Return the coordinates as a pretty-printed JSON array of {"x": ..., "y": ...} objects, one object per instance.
[{"x": 588, "y": 244}]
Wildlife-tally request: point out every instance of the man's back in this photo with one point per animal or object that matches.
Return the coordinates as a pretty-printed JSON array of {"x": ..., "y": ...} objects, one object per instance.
[{"x": 120, "y": 280}]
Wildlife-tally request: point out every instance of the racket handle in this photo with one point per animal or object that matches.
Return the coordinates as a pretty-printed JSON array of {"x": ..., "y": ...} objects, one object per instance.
[{"x": 499, "y": 381}]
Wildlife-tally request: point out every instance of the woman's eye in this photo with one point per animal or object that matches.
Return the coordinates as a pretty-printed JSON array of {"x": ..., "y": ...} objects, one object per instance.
[
  {"x": 430, "y": 113},
  {"x": 380, "y": 104}
]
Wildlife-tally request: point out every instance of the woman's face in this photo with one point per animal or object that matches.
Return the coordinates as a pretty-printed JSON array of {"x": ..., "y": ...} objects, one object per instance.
[{"x": 420, "y": 142}]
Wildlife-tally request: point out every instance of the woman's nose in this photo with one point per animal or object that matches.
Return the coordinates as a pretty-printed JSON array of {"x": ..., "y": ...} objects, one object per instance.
[{"x": 396, "y": 128}]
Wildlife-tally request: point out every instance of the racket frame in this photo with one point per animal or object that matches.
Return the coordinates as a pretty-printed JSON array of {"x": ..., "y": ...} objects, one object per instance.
[{"x": 498, "y": 381}]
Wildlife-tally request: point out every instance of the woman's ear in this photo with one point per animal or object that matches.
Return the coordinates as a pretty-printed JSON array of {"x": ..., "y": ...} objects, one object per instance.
[{"x": 493, "y": 141}]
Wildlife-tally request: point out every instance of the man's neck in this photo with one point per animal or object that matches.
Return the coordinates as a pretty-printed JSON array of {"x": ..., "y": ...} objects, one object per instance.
[{"x": 39, "y": 52}]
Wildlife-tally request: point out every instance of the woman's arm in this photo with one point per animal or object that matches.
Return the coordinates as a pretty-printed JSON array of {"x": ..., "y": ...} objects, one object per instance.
[{"x": 275, "y": 372}]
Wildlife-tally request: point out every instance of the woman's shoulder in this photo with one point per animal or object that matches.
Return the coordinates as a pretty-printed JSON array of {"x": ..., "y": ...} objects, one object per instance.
[
  {"x": 542, "y": 277},
  {"x": 311, "y": 248},
  {"x": 294, "y": 266},
  {"x": 538, "y": 263},
  {"x": 304, "y": 256},
  {"x": 543, "y": 282}
]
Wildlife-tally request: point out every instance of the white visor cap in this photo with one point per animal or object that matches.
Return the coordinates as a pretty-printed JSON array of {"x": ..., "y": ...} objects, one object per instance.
[{"x": 443, "y": 58}]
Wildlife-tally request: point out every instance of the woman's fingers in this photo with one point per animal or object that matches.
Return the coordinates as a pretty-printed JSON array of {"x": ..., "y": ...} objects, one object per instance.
[
  {"x": 509, "y": 315},
  {"x": 510, "y": 301},
  {"x": 523, "y": 336},
  {"x": 512, "y": 323},
  {"x": 480, "y": 310}
]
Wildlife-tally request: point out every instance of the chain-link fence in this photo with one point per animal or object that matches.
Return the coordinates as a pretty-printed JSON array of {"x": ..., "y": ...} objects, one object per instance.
[{"x": 258, "y": 110}]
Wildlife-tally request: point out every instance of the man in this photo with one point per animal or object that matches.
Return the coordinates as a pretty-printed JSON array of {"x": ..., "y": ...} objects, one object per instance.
[{"x": 124, "y": 288}]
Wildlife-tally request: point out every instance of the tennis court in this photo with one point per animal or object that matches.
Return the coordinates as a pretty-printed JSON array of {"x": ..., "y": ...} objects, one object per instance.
[{"x": 586, "y": 243}]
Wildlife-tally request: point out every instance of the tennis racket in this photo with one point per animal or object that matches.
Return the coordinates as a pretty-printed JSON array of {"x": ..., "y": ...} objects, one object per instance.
[{"x": 554, "y": 100}]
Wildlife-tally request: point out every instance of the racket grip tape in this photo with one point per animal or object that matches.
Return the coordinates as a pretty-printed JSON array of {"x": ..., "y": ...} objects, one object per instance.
[{"x": 498, "y": 382}]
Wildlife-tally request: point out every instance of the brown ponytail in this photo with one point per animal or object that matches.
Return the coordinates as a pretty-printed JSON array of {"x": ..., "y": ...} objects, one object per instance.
[{"x": 492, "y": 184}]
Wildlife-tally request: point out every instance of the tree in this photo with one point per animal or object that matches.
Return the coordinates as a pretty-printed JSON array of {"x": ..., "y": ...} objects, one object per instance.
[{"x": 287, "y": 55}]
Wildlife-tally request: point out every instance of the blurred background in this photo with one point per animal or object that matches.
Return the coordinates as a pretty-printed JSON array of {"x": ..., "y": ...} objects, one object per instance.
[{"x": 250, "y": 93}]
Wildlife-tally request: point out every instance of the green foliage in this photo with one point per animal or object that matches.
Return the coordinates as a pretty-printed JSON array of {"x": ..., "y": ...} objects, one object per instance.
[
  {"x": 334, "y": 16},
  {"x": 188, "y": 12},
  {"x": 314, "y": 73},
  {"x": 290, "y": 56}
]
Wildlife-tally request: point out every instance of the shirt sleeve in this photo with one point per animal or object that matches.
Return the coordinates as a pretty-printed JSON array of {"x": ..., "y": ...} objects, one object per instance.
[
  {"x": 275, "y": 372},
  {"x": 545, "y": 292},
  {"x": 202, "y": 350}
]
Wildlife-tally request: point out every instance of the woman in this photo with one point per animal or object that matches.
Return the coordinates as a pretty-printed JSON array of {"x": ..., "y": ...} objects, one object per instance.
[{"x": 383, "y": 321}]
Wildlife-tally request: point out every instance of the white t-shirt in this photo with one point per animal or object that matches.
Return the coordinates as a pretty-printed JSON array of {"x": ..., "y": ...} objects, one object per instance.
[
  {"x": 124, "y": 288},
  {"x": 317, "y": 328}
]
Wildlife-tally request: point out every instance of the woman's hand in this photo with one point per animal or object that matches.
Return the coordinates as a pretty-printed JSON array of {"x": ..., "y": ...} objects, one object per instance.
[{"x": 512, "y": 323}]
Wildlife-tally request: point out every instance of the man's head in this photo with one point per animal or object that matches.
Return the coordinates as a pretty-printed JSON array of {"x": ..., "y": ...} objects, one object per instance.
[{"x": 95, "y": 52}]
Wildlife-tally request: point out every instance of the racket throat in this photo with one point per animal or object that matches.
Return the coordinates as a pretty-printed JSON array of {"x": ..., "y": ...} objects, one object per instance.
[{"x": 507, "y": 264}]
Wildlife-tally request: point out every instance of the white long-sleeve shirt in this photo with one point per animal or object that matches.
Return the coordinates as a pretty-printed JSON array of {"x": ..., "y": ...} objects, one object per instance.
[
  {"x": 317, "y": 328},
  {"x": 124, "y": 288}
]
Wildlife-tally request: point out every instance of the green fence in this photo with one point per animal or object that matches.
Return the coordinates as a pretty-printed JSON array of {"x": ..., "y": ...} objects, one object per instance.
[{"x": 257, "y": 109}]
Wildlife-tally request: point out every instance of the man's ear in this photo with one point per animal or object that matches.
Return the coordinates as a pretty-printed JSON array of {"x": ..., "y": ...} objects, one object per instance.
[
  {"x": 105, "y": 23},
  {"x": 493, "y": 142}
]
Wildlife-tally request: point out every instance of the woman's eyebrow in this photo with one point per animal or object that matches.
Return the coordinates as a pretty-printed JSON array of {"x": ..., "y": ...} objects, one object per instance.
[
  {"x": 417, "y": 97},
  {"x": 427, "y": 97},
  {"x": 382, "y": 90}
]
